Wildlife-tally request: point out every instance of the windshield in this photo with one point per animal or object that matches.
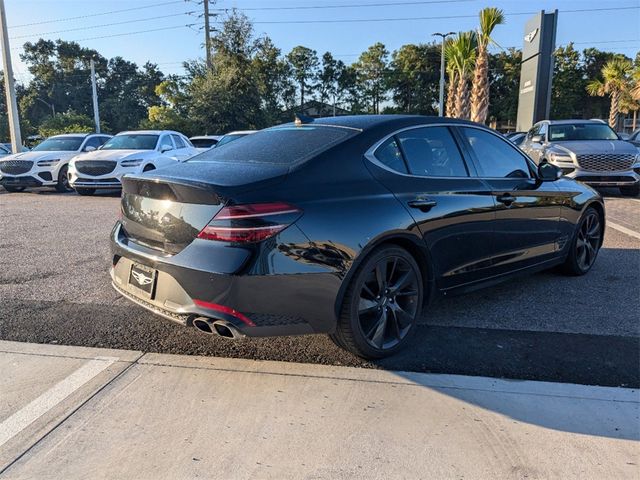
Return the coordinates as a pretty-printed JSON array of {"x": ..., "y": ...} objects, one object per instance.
[
  {"x": 581, "y": 131},
  {"x": 229, "y": 138},
  {"x": 131, "y": 142},
  {"x": 60, "y": 144},
  {"x": 286, "y": 145}
]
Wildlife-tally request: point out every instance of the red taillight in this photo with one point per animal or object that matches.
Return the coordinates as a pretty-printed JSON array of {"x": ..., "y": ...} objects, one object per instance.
[
  {"x": 228, "y": 310},
  {"x": 250, "y": 223}
]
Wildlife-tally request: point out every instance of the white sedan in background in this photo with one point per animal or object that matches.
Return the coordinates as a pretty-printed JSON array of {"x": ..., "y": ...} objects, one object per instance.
[
  {"x": 127, "y": 152},
  {"x": 47, "y": 163}
]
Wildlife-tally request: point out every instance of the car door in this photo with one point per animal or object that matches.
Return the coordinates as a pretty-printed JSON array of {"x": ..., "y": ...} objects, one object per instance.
[
  {"x": 527, "y": 230},
  {"x": 453, "y": 209}
]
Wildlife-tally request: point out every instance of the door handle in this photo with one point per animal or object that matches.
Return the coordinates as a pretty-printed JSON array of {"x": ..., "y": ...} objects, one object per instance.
[
  {"x": 424, "y": 204},
  {"x": 506, "y": 198}
]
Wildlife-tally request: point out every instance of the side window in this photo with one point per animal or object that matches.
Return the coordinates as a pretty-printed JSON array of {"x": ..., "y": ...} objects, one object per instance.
[
  {"x": 389, "y": 154},
  {"x": 432, "y": 152},
  {"x": 496, "y": 157},
  {"x": 102, "y": 140},
  {"x": 92, "y": 142},
  {"x": 178, "y": 141},
  {"x": 543, "y": 131},
  {"x": 165, "y": 141}
]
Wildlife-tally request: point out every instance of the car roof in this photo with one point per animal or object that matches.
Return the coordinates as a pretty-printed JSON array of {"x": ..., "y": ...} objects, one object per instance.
[
  {"x": 149, "y": 132},
  {"x": 206, "y": 137},
  {"x": 366, "y": 122},
  {"x": 72, "y": 135},
  {"x": 572, "y": 122},
  {"x": 241, "y": 132}
]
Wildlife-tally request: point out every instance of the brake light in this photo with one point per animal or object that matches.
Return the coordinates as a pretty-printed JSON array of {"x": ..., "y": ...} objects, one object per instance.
[{"x": 250, "y": 223}]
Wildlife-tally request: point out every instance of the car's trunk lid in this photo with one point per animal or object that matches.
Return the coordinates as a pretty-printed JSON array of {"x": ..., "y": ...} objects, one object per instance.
[{"x": 166, "y": 209}]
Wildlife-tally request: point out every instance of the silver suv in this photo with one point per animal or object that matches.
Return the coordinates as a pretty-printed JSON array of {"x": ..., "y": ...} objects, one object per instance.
[{"x": 586, "y": 150}]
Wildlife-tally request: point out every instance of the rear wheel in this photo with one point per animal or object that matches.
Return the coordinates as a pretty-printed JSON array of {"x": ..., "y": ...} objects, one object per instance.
[
  {"x": 86, "y": 191},
  {"x": 14, "y": 189},
  {"x": 585, "y": 245},
  {"x": 631, "y": 190},
  {"x": 381, "y": 304},
  {"x": 63, "y": 180}
]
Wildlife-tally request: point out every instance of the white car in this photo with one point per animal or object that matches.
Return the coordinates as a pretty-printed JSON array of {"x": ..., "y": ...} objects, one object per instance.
[
  {"x": 127, "y": 152},
  {"x": 47, "y": 163},
  {"x": 205, "y": 142}
]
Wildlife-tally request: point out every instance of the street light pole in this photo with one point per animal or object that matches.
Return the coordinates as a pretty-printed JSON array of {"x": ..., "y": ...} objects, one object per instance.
[
  {"x": 50, "y": 105},
  {"x": 12, "y": 105},
  {"x": 441, "y": 99}
]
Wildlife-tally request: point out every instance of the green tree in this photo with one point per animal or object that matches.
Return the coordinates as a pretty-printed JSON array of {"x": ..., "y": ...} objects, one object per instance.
[
  {"x": 304, "y": 65},
  {"x": 615, "y": 82},
  {"x": 277, "y": 91},
  {"x": 504, "y": 78},
  {"x": 490, "y": 18},
  {"x": 328, "y": 80},
  {"x": 568, "y": 93},
  {"x": 413, "y": 78},
  {"x": 372, "y": 68},
  {"x": 68, "y": 122},
  {"x": 462, "y": 53}
]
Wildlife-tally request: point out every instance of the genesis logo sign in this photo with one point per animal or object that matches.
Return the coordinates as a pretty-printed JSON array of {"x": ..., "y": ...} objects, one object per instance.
[
  {"x": 141, "y": 278},
  {"x": 531, "y": 35}
]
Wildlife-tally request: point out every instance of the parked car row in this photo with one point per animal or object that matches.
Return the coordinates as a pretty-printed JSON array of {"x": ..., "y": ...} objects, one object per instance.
[{"x": 87, "y": 162}]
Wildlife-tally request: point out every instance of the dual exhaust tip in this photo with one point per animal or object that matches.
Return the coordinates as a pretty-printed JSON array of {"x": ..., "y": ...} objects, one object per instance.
[{"x": 211, "y": 326}]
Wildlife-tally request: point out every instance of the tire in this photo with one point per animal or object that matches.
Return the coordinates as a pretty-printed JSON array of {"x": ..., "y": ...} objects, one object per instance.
[
  {"x": 86, "y": 192},
  {"x": 14, "y": 189},
  {"x": 631, "y": 190},
  {"x": 381, "y": 304},
  {"x": 585, "y": 244},
  {"x": 63, "y": 181},
  {"x": 148, "y": 168}
]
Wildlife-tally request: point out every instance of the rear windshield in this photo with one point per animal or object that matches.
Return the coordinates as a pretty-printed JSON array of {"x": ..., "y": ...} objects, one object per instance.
[
  {"x": 285, "y": 145},
  {"x": 203, "y": 142},
  {"x": 581, "y": 131}
]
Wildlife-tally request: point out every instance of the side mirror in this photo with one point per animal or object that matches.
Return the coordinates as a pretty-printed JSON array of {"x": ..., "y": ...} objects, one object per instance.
[
  {"x": 89, "y": 148},
  {"x": 547, "y": 172},
  {"x": 165, "y": 148},
  {"x": 537, "y": 139}
]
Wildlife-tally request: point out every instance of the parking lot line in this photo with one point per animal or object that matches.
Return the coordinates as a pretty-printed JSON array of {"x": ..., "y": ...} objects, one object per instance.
[
  {"x": 28, "y": 414},
  {"x": 622, "y": 229}
]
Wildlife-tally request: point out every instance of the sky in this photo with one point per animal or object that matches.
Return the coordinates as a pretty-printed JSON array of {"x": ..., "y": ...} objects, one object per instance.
[{"x": 166, "y": 33}]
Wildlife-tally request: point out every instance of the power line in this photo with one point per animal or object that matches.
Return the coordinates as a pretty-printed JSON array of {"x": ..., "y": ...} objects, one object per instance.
[
  {"x": 442, "y": 17},
  {"x": 317, "y": 7},
  {"x": 66, "y": 19},
  {"x": 99, "y": 26}
]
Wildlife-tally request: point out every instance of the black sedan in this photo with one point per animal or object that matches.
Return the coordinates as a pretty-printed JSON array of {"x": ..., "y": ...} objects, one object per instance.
[{"x": 346, "y": 226}]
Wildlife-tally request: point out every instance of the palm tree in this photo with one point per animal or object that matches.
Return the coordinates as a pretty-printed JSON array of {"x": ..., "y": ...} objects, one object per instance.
[
  {"x": 449, "y": 52},
  {"x": 489, "y": 18},
  {"x": 463, "y": 57},
  {"x": 615, "y": 82}
]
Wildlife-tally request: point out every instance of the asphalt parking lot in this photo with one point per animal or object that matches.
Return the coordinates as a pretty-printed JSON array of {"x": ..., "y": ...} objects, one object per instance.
[{"x": 54, "y": 288}]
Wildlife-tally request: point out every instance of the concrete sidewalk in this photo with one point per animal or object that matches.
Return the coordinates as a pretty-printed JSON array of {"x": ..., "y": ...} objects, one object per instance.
[{"x": 76, "y": 413}]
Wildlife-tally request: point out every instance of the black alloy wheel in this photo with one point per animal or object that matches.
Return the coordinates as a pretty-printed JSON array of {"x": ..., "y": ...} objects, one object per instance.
[
  {"x": 382, "y": 304},
  {"x": 587, "y": 242},
  {"x": 63, "y": 180}
]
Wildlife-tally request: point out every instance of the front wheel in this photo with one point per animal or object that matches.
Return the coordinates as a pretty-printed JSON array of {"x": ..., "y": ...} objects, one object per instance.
[
  {"x": 14, "y": 189},
  {"x": 63, "y": 180},
  {"x": 381, "y": 304},
  {"x": 630, "y": 190},
  {"x": 585, "y": 244}
]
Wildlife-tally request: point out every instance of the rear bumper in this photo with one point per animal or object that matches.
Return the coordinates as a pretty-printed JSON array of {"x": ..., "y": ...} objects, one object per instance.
[{"x": 275, "y": 304}]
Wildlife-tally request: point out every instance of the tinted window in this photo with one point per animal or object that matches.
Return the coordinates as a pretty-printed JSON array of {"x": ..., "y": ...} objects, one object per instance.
[
  {"x": 203, "y": 142},
  {"x": 497, "y": 158},
  {"x": 581, "y": 131},
  {"x": 131, "y": 142},
  {"x": 432, "y": 152},
  {"x": 279, "y": 145},
  {"x": 178, "y": 141},
  {"x": 389, "y": 154},
  {"x": 60, "y": 144},
  {"x": 94, "y": 142}
]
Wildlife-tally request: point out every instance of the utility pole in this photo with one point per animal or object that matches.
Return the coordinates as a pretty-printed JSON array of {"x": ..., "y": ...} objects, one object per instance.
[
  {"x": 96, "y": 112},
  {"x": 207, "y": 33},
  {"x": 441, "y": 99},
  {"x": 12, "y": 106}
]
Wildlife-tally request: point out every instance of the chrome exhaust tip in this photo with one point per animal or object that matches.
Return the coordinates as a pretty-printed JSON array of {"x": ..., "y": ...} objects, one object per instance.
[{"x": 222, "y": 328}]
